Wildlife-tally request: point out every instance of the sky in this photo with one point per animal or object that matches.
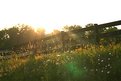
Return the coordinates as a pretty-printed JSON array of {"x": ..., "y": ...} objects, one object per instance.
[{"x": 54, "y": 14}]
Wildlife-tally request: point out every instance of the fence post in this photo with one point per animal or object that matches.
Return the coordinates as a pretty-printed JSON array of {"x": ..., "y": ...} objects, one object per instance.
[
  {"x": 96, "y": 32},
  {"x": 62, "y": 41}
]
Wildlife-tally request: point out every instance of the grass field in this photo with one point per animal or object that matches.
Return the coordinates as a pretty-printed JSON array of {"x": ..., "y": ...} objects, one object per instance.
[{"x": 92, "y": 64}]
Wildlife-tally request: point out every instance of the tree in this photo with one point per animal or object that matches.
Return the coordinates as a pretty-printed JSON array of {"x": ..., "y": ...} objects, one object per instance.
[
  {"x": 55, "y": 32},
  {"x": 72, "y": 27},
  {"x": 13, "y": 34},
  {"x": 40, "y": 33},
  {"x": 17, "y": 35},
  {"x": 110, "y": 29},
  {"x": 111, "y": 39},
  {"x": 26, "y": 33},
  {"x": 91, "y": 34},
  {"x": 3, "y": 39}
]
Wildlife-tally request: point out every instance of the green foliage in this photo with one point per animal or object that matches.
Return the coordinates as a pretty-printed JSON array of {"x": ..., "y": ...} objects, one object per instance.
[
  {"x": 18, "y": 35},
  {"x": 72, "y": 27},
  {"x": 92, "y": 64}
]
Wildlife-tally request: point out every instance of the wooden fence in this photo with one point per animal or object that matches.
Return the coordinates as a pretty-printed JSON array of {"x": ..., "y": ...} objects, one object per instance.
[{"x": 66, "y": 41}]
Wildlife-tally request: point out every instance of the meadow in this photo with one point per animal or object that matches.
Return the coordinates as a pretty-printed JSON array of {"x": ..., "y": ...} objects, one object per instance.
[{"x": 102, "y": 63}]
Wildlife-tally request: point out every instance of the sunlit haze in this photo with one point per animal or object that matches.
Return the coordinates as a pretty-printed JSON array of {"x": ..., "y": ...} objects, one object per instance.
[{"x": 54, "y": 14}]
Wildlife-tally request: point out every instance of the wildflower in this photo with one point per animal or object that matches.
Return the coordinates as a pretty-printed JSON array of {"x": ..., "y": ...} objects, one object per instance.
[
  {"x": 98, "y": 59},
  {"x": 108, "y": 64},
  {"x": 58, "y": 55},
  {"x": 109, "y": 53},
  {"x": 85, "y": 68},
  {"x": 48, "y": 60},
  {"x": 96, "y": 69},
  {"x": 102, "y": 60},
  {"x": 102, "y": 71},
  {"x": 108, "y": 72},
  {"x": 108, "y": 58}
]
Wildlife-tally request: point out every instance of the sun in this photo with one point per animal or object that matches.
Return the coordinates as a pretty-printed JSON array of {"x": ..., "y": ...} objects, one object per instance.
[
  {"x": 48, "y": 26},
  {"x": 48, "y": 30}
]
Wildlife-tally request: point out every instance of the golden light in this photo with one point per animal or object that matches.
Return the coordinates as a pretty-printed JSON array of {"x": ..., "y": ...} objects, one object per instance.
[
  {"x": 47, "y": 29},
  {"x": 52, "y": 14}
]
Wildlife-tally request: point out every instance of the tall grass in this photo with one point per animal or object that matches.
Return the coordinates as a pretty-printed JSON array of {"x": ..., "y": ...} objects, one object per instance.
[{"x": 91, "y": 64}]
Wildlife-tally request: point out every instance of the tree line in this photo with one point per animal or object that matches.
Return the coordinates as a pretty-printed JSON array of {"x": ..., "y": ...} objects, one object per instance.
[
  {"x": 18, "y": 34},
  {"x": 21, "y": 33}
]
